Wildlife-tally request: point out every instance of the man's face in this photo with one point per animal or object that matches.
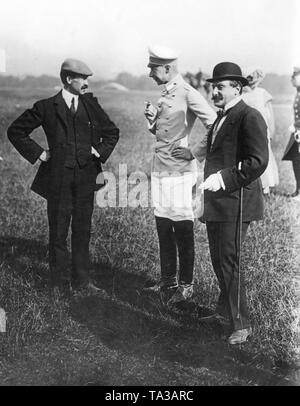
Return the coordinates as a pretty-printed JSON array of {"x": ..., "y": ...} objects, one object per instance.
[
  {"x": 77, "y": 85},
  {"x": 296, "y": 80},
  {"x": 159, "y": 74},
  {"x": 223, "y": 93}
]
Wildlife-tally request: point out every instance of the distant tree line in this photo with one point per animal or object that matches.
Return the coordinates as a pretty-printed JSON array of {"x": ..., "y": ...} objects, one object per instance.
[{"x": 275, "y": 84}]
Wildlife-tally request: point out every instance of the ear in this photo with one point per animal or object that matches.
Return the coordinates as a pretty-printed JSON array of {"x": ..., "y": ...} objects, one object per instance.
[
  {"x": 167, "y": 68},
  {"x": 68, "y": 80}
]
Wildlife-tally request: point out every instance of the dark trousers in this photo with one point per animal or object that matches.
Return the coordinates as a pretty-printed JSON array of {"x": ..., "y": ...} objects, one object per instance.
[
  {"x": 173, "y": 236},
  {"x": 223, "y": 245},
  {"x": 74, "y": 200},
  {"x": 296, "y": 169}
]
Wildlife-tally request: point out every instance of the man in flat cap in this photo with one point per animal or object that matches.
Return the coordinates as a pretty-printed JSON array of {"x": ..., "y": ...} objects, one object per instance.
[
  {"x": 174, "y": 172},
  {"x": 80, "y": 137},
  {"x": 237, "y": 155},
  {"x": 292, "y": 151}
]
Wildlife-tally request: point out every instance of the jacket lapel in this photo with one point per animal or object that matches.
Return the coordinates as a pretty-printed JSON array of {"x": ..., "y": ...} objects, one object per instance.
[
  {"x": 60, "y": 107},
  {"x": 227, "y": 124}
]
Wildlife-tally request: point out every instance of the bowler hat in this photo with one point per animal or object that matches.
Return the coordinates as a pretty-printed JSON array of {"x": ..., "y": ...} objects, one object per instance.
[
  {"x": 228, "y": 71},
  {"x": 76, "y": 66}
]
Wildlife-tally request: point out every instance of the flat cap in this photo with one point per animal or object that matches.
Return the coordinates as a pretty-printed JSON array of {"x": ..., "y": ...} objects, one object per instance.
[
  {"x": 159, "y": 55},
  {"x": 76, "y": 66}
]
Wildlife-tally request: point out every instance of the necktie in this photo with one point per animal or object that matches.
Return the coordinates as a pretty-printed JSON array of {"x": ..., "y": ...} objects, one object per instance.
[
  {"x": 220, "y": 114},
  {"x": 72, "y": 108}
]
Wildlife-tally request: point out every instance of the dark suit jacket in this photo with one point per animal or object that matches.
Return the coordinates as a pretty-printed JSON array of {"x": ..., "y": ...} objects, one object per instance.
[
  {"x": 291, "y": 151},
  {"x": 241, "y": 138},
  {"x": 51, "y": 115}
]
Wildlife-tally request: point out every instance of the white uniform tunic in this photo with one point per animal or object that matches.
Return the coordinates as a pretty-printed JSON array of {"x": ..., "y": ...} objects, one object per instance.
[{"x": 172, "y": 179}]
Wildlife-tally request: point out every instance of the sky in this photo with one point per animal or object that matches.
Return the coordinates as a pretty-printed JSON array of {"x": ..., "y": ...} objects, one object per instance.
[{"x": 113, "y": 36}]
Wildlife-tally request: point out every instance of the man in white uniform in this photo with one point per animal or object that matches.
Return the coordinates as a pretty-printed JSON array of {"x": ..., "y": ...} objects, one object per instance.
[{"x": 174, "y": 171}]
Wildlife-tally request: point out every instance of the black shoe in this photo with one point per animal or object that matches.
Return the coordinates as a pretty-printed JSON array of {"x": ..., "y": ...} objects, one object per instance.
[
  {"x": 183, "y": 293},
  {"x": 89, "y": 289},
  {"x": 153, "y": 287},
  {"x": 166, "y": 293}
]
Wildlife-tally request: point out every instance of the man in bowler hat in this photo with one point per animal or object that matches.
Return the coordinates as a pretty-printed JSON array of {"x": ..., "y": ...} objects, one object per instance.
[
  {"x": 80, "y": 138},
  {"x": 237, "y": 154},
  {"x": 292, "y": 151}
]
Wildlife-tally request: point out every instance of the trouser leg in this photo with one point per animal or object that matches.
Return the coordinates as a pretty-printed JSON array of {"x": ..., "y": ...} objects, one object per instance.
[
  {"x": 222, "y": 304},
  {"x": 59, "y": 209},
  {"x": 83, "y": 204},
  {"x": 296, "y": 169},
  {"x": 223, "y": 243},
  {"x": 167, "y": 249},
  {"x": 184, "y": 233}
]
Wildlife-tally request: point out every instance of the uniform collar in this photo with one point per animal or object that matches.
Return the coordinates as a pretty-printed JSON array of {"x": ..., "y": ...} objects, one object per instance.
[{"x": 168, "y": 87}]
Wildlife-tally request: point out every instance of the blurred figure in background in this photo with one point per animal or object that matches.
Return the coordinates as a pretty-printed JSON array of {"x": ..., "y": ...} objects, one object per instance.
[
  {"x": 257, "y": 97},
  {"x": 292, "y": 151},
  {"x": 198, "y": 81}
]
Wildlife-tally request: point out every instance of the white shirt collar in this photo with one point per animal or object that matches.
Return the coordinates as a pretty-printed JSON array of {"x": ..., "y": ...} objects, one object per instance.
[
  {"x": 68, "y": 96},
  {"x": 233, "y": 102},
  {"x": 172, "y": 83}
]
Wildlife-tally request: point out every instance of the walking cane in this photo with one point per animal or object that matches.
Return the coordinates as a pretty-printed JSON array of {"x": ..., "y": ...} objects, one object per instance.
[{"x": 239, "y": 244}]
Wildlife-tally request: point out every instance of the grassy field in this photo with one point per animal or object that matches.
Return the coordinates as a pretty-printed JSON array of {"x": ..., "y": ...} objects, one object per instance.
[{"x": 122, "y": 337}]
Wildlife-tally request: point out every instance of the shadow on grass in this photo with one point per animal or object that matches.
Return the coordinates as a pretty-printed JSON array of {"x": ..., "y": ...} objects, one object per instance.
[
  {"x": 125, "y": 320},
  {"x": 128, "y": 321},
  {"x": 27, "y": 258}
]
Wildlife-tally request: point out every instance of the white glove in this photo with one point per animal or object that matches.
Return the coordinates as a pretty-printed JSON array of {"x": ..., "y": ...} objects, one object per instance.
[
  {"x": 45, "y": 156},
  {"x": 96, "y": 153},
  {"x": 213, "y": 183}
]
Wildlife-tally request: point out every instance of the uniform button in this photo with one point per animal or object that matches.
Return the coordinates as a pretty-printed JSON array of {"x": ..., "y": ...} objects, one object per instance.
[
  {"x": 170, "y": 105},
  {"x": 167, "y": 118},
  {"x": 166, "y": 131},
  {"x": 156, "y": 149},
  {"x": 173, "y": 95}
]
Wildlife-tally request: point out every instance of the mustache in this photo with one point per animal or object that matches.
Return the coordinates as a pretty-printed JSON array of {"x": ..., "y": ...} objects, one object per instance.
[
  {"x": 84, "y": 87},
  {"x": 216, "y": 98}
]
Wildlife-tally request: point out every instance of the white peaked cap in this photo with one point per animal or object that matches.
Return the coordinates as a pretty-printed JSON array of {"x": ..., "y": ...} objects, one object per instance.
[{"x": 160, "y": 55}]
